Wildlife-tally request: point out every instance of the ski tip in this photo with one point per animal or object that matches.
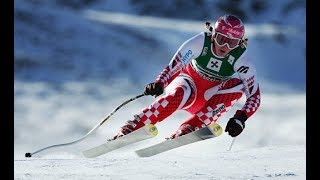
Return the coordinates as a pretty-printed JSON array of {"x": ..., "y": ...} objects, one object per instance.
[
  {"x": 216, "y": 128},
  {"x": 152, "y": 129}
]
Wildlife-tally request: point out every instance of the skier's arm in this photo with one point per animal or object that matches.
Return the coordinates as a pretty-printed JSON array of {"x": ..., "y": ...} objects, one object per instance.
[
  {"x": 247, "y": 74},
  {"x": 188, "y": 50}
]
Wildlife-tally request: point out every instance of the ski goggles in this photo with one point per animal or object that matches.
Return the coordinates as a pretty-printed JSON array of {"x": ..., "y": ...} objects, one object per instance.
[{"x": 222, "y": 39}]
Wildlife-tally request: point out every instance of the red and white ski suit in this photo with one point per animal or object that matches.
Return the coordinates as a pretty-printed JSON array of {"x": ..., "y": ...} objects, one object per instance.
[{"x": 204, "y": 84}]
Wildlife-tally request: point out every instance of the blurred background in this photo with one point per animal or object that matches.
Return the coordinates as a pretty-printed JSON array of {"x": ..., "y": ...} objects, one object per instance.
[{"x": 77, "y": 60}]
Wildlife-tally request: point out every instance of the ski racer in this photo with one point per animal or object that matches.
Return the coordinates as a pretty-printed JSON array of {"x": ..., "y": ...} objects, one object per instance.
[{"x": 207, "y": 75}]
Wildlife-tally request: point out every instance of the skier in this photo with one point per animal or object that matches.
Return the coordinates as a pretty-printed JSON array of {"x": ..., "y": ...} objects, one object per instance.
[{"x": 207, "y": 75}]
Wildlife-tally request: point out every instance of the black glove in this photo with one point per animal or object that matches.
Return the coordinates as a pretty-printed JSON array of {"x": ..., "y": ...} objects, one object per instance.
[
  {"x": 153, "y": 89},
  {"x": 235, "y": 126}
]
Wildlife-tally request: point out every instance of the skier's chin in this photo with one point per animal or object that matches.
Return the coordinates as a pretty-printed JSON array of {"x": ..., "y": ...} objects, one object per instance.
[{"x": 221, "y": 52}]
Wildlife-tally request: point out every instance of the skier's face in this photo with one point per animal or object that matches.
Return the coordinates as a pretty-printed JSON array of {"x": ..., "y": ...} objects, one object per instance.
[
  {"x": 224, "y": 44},
  {"x": 221, "y": 50}
]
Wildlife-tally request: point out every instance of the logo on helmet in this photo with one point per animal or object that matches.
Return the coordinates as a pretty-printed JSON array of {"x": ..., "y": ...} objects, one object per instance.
[
  {"x": 230, "y": 25},
  {"x": 233, "y": 32}
]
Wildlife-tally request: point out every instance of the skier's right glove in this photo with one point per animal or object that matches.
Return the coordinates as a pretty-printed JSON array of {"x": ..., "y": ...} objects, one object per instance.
[{"x": 153, "y": 89}]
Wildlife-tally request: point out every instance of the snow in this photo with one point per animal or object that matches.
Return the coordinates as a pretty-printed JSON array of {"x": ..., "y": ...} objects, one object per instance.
[
  {"x": 67, "y": 80},
  {"x": 273, "y": 162}
]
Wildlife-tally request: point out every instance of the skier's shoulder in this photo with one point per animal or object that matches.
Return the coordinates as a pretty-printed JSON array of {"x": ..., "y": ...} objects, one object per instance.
[
  {"x": 198, "y": 35},
  {"x": 198, "y": 38},
  {"x": 203, "y": 34}
]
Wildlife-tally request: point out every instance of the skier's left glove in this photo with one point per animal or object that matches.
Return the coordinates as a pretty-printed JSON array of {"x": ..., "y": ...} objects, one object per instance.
[
  {"x": 236, "y": 124},
  {"x": 234, "y": 127}
]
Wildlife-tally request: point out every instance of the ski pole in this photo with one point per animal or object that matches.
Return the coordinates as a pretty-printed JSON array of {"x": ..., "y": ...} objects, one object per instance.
[
  {"x": 231, "y": 143},
  {"x": 91, "y": 131}
]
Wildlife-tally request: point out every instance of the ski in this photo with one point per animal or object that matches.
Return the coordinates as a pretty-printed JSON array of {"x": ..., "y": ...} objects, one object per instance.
[
  {"x": 146, "y": 132},
  {"x": 211, "y": 131}
]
